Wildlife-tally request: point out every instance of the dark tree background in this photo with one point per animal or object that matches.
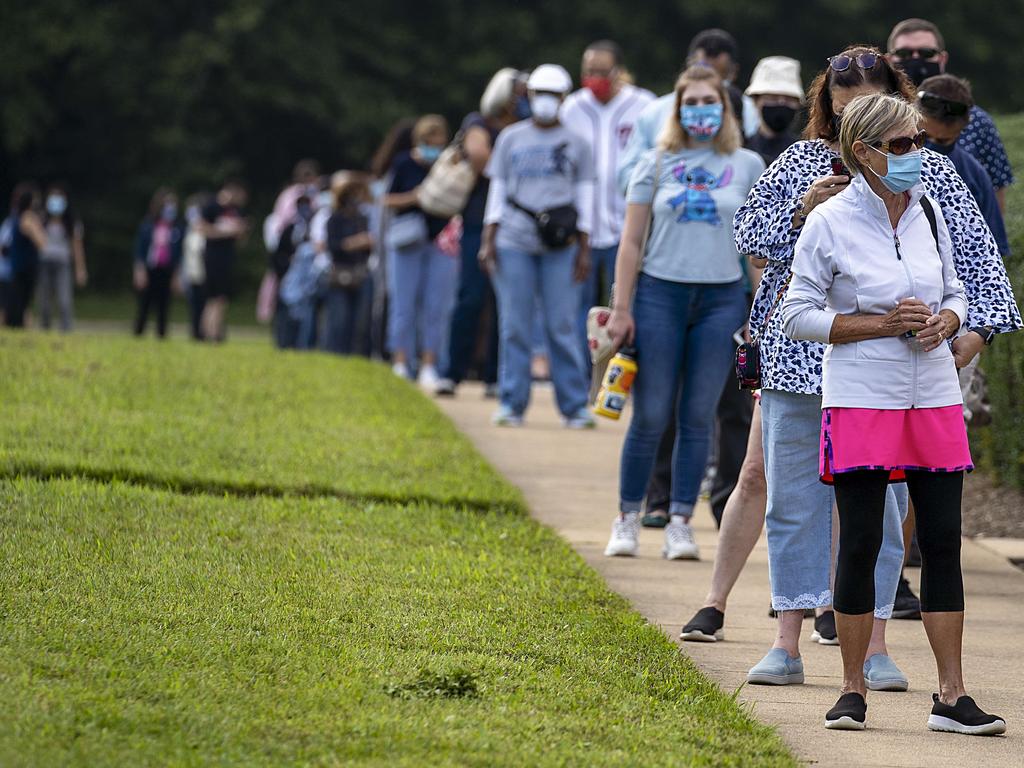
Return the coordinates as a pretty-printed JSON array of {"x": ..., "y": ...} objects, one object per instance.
[{"x": 119, "y": 98}]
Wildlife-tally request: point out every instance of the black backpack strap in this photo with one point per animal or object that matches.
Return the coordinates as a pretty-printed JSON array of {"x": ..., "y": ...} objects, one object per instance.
[{"x": 930, "y": 213}]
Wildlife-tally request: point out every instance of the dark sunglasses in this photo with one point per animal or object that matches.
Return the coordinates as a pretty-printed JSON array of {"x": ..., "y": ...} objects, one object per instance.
[
  {"x": 924, "y": 53},
  {"x": 903, "y": 144},
  {"x": 844, "y": 61},
  {"x": 934, "y": 102}
]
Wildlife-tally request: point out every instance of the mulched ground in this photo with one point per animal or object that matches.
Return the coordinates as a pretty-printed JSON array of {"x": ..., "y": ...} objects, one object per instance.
[{"x": 991, "y": 510}]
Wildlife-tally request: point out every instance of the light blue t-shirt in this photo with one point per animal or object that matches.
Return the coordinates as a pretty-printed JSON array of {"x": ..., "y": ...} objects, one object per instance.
[
  {"x": 644, "y": 136},
  {"x": 698, "y": 194}
]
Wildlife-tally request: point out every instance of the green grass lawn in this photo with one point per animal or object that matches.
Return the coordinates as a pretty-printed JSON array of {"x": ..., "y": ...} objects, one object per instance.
[
  {"x": 120, "y": 308},
  {"x": 154, "y": 621}
]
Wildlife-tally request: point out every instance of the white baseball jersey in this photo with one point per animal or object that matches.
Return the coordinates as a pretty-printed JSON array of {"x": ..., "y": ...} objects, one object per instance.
[{"x": 607, "y": 128}]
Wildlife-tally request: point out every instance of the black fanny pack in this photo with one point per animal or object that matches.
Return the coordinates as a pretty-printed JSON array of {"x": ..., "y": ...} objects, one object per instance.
[{"x": 556, "y": 226}]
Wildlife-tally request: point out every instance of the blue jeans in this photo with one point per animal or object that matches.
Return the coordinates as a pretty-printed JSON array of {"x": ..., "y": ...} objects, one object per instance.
[
  {"x": 347, "y": 319},
  {"x": 799, "y": 514},
  {"x": 518, "y": 280},
  {"x": 601, "y": 260},
  {"x": 421, "y": 280},
  {"x": 475, "y": 294},
  {"x": 684, "y": 349}
]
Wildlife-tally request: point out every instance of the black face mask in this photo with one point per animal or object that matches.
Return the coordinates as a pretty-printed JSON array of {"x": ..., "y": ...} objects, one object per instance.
[
  {"x": 919, "y": 70},
  {"x": 778, "y": 117},
  {"x": 942, "y": 149},
  {"x": 837, "y": 121}
]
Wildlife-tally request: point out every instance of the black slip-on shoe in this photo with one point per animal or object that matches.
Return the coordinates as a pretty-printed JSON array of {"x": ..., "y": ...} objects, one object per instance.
[
  {"x": 825, "y": 629},
  {"x": 964, "y": 717},
  {"x": 705, "y": 626},
  {"x": 906, "y": 606},
  {"x": 848, "y": 714}
]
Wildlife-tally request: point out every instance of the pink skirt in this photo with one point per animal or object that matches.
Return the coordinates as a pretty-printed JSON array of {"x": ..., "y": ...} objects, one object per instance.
[{"x": 930, "y": 439}]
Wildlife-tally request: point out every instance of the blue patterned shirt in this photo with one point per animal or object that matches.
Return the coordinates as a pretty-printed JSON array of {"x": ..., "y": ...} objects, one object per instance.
[
  {"x": 981, "y": 139},
  {"x": 764, "y": 227}
]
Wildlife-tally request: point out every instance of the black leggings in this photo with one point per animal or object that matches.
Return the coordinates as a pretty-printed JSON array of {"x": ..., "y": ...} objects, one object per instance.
[{"x": 860, "y": 496}]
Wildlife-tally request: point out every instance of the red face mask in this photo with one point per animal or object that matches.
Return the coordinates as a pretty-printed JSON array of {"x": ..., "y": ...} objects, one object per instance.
[{"x": 601, "y": 87}]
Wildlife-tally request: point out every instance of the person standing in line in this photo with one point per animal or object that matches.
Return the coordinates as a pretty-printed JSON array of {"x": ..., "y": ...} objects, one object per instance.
[
  {"x": 223, "y": 226},
  {"x": 305, "y": 176},
  {"x": 502, "y": 104},
  {"x": 603, "y": 112},
  {"x": 891, "y": 395},
  {"x": 539, "y": 166},
  {"x": 917, "y": 47},
  {"x": 690, "y": 299},
  {"x": 28, "y": 238},
  {"x": 778, "y": 95},
  {"x": 350, "y": 290},
  {"x": 193, "y": 270},
  {"x": 64, "y": 252},
  {"x": 420, "y": 276},
  {"x": 717, "y": 49},
  {"x": 158, "y": 247}
]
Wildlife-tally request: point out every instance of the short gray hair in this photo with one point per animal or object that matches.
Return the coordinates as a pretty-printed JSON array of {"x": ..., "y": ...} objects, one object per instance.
[{"x": 869, "y": 118}]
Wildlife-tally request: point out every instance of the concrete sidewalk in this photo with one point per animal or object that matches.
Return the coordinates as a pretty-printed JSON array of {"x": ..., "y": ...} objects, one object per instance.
[{"x": 570, "y": 480}]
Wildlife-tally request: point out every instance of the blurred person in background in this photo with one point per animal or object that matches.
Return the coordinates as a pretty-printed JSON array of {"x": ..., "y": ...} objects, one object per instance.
[
  {"x": 502, "y": 104},
  {"x": 350, "y": 286},
  {"x": 293, "y": 314},
  {"x": 158, "y": 246},
  {"x": 540, "y": 166},
  {"x": 717, "y": 49},
  {"x": 945, "y": 102},
  {"x": 917, "y": 47},
  {"x": 223, "y": 226},
  {"x": 305, "y": 177},
  {"x": 28, "y": 239},
  {"x": 778, "y": 95},
  {"x": 603, "y": 112},
  {"x": 420, "y": 276},
  {"x": 193, "y": 270},
  {"x": 64, "y": 252}
]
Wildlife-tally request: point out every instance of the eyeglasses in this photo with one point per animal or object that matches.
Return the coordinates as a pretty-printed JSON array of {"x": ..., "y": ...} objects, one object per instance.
[
  {"x": 844, "y": 61},
  {"x": 903, "y": 144},
  {"x": 934, "y": 102},
  {"x": 923, "y": 53}
]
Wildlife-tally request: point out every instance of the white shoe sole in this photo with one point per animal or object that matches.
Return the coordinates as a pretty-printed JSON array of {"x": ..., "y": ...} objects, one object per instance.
[
  {"x": 762, "y": 678},
  {"x": 939, "y": 723},
  {"x": 886, "y": 685},
  {"x": 817, "y": 638},
  {"x": 696, "y": 636},
  {"x": 687, "y": 555},
  {"x": 844, "y": 723},
  {"x": 617, "y": 552}
]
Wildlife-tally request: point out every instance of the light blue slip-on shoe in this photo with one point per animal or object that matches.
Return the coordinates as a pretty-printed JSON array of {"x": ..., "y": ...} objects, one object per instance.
[
  {"x": 882, "y": 674},
  {"x": 777, "y": 668}
]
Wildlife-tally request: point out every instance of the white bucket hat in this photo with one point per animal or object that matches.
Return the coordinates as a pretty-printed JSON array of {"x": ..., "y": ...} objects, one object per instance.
[
  {"x": 550, "y": 77},
  {"x": 776, "y": 76}
]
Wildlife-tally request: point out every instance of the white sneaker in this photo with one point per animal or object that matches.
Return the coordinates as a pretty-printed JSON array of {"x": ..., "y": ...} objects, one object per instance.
[
  {"x": 401, "y": 370},
  {"x": 625, "y": 532},
  {"x": 582, "y": 419},
  {"x": 428, "y": 378},
  {"x": 445, "y": 388},
  {"x": 679, "y": 541},
  {"x": 506, "y": 417}
]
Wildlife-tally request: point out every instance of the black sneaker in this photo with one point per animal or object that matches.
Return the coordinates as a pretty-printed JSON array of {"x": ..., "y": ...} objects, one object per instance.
[
  {"x": 907, "y": 606},
  {"x": 825, "y": 629},
  {"x": 705, "y": 626},
  {"x": 965, "y": 717},
  {"x": 848, "y": 714}
]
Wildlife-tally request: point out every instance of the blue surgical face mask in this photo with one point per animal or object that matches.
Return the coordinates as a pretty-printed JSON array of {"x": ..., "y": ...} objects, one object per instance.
[
  {"x": 429, "y": 153},
  {"x": 56, "y": 205},
  {"x": 904, "y": 171},
  {"x": 701, "y": 121}
]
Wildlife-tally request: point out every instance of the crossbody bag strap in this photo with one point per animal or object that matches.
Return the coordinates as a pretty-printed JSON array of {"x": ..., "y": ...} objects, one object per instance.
[
  {"x": 650, "y": 219},
  {"x": 771, "y": 310},
  {"x": 523, "y": 208},
  {"x": 929, "y": 213}
]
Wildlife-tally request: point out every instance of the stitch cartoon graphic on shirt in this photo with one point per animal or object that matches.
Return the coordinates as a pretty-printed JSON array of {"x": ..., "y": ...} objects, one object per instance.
[
  {"x": 695, "y": 202},
  {"x": 543, "y": 161}
]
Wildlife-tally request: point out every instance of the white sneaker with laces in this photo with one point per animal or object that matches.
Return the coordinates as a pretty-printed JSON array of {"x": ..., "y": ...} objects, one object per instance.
[
  {"x": 401, "y": 370},
  {"x": 428, "y": 378},
  {"x": 625, "y": 536},
  {"x": 680, "y": 543}
]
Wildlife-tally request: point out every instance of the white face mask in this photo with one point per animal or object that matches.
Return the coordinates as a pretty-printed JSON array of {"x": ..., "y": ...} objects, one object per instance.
[{"x": 544, "y": 107}]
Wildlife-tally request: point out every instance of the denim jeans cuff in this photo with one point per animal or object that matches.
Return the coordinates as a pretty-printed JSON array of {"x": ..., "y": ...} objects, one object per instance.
[
  {"x": 630, "y": 507},
  {"x": 680, "y": 508}
]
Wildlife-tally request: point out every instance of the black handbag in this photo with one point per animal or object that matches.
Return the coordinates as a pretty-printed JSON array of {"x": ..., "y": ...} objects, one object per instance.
[
  {"x": 556, "y": 226},
  {"x": 748, "y": 355}
]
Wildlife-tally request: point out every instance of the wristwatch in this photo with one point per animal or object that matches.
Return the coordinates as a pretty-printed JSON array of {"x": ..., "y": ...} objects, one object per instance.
[{"x": 986, "y": 333}]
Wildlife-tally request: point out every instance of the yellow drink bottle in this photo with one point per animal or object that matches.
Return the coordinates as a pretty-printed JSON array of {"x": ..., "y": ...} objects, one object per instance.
[{"x": 618, "y": 381}]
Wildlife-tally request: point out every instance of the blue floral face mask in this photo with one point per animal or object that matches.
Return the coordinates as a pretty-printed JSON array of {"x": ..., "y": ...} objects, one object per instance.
[
  {"x": 701, "y": 121},
  {"x": 904, "y": 171}
]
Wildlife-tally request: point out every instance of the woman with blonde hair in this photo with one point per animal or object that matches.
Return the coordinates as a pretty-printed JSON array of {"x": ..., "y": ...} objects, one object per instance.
[{"x": 689, "y": 300}]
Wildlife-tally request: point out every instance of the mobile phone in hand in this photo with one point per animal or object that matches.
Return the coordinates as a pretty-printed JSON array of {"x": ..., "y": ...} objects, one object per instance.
[{"x": 839, "y": 168}]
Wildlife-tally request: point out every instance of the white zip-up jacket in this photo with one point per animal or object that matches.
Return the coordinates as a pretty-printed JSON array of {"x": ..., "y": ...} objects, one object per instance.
[{"x": 849, "y": 260}]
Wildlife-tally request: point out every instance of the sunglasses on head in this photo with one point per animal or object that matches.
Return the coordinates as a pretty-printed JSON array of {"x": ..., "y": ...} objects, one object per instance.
[
  {"x": 934, "y": 102},
  {"x": 844, "y": 61},
  {"x": 924, "y": 53},
  {"x": 903, "y": 144}
]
